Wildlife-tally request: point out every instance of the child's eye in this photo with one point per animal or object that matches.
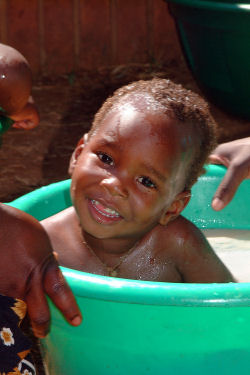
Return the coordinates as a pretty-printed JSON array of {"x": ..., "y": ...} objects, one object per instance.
[
  {"x": 147, "y": 182},
  {"x": 105, "y": 158}
]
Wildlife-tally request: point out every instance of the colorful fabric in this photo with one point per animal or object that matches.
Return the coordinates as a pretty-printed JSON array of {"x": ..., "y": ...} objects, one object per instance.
[{"x": 15, "y": 357}]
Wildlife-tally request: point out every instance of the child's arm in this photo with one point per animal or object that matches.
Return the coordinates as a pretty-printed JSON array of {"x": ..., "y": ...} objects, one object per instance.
[
  {"x": 29, "y": 270},
  {"x": 196, "y": 260},
  {"x": 27, "y": 118}
]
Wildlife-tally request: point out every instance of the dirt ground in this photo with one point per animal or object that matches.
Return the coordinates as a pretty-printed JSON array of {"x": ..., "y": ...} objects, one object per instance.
[{"x": 67, "y": 105}]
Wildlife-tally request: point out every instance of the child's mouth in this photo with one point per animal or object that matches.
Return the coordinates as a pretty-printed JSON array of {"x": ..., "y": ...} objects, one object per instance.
[{"x": 103, "y": 214}]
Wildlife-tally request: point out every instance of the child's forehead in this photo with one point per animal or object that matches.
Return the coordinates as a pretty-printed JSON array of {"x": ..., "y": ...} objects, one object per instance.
[
  {"x": 128, "y": 118},
  {"x": 139, "y": 101},
  {"x": 142, "y": 113},
  {"x": 154, "y": 128},
  {"x": 131, "y": 116}
]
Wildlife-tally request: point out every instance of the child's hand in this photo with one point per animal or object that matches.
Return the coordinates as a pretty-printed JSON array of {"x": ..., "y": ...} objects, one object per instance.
[
  {"x": 29, "y": 270},
  {"x": 235, "y": 156},
  {"x": 27, "y": 118}
]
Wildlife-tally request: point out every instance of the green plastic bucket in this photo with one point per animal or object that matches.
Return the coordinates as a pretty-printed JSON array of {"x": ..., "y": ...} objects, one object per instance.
[
  {"x": 215, "y": 36},
  {"x": 141, "y": 327}
]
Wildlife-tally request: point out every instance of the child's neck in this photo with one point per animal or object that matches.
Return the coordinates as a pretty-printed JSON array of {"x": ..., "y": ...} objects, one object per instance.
[
  {"x": 111, "y": 253},
  {"x": 114, "y": 246}
]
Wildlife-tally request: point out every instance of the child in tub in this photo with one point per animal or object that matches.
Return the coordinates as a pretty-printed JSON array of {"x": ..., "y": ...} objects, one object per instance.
[
  {"x": 131, "y": 178},
  {"x": 28, "y": 268}
]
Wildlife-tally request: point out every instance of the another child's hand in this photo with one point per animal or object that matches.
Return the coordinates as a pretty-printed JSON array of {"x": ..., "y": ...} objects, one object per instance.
[
  {"x": 29, "y": 270},
  {"x": 27, "y": 118},
  {"x": 235, "y": 156}
]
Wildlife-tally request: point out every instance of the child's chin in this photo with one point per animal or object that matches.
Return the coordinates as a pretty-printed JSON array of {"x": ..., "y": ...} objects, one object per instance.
[{"x": 102, "y": 231}]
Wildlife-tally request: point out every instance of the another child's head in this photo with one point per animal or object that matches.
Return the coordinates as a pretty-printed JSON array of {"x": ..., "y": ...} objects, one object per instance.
[
  {"x": 15, "y": 88},
  {"x": 146, "y": 148}
]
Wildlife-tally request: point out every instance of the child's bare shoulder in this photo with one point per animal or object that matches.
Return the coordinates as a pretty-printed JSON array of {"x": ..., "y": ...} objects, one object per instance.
[
  {"x": 181, "y": 233},
  {"x": 58, "y": 219},
  {"x": 59, "y": 226},
  {"x": 191, "y": 253},
  {"x": 178, "y": 240}
]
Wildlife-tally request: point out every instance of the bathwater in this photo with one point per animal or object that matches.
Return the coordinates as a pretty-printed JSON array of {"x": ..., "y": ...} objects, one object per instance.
[{"x": 233, "y": 248}]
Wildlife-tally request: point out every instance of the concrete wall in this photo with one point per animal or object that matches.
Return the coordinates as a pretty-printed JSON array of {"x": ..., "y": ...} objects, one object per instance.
[{"x": 61, "y": 36}]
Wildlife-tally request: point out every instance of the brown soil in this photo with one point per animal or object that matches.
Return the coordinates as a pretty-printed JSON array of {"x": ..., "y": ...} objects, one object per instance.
[{"x": 67, "y": 105}]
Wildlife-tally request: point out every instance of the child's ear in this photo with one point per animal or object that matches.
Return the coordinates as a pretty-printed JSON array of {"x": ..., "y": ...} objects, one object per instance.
[
  {"x": 176, "y": 207},
  {"x": 76, "y": 153}
]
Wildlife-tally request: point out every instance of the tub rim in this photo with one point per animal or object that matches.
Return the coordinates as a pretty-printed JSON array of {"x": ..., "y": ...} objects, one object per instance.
[
  {"x": 140, "y": 292},
  {"x": 213, "y": 5}
]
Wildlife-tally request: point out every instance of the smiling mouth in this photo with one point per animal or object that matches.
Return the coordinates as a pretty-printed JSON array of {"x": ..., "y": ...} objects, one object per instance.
[
  {"x": 103, "y": 214},
  {"x": 106, "y": 211}
]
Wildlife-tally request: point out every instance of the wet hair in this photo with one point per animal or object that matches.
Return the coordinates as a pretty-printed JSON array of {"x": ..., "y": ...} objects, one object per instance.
[{"x": 173, "y": 100}]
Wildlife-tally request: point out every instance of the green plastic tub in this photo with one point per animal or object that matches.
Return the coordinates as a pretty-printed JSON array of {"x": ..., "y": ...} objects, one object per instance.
[
  {"x": 215, "y": 36},
  {"x": 139, "y": 327}
]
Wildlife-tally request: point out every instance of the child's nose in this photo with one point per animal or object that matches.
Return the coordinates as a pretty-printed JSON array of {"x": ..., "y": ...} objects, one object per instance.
[{"x": 114, "y": 186}]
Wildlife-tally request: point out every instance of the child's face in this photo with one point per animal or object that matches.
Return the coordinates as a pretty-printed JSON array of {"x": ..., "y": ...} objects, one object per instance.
[{"x": 130, "y": 174}]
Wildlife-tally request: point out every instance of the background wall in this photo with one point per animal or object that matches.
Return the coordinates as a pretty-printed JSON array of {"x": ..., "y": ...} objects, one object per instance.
[
  {"x": 109, "y": 43},
  {"x": 61, "y": 36}
]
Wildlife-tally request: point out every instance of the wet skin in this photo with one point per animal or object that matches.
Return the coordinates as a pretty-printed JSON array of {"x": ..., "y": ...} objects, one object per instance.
[{"x": 127, "y": 190}]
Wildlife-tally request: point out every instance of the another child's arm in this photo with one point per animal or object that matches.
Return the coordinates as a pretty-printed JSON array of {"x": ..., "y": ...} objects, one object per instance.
[
  {"x": 235, "y": 156},
  {"x": 196, "y": 260},
  {"x": 27, "y": 118},
  {"x": 29, "y": 270}
]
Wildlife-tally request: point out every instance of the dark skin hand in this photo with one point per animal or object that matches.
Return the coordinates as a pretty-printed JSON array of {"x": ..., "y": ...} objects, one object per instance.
[
  {"x": 235, "y": 156},
  {"x": 29, "y": 270}
]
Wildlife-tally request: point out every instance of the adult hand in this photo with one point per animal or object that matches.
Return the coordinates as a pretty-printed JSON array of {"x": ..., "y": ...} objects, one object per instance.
[
  {"x": 235, "y": 156},
  {"x": 29, "y": 270}
]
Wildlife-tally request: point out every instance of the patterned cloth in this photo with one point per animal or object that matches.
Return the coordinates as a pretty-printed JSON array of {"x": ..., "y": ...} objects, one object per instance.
[{"x": 15, "y": 357}]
